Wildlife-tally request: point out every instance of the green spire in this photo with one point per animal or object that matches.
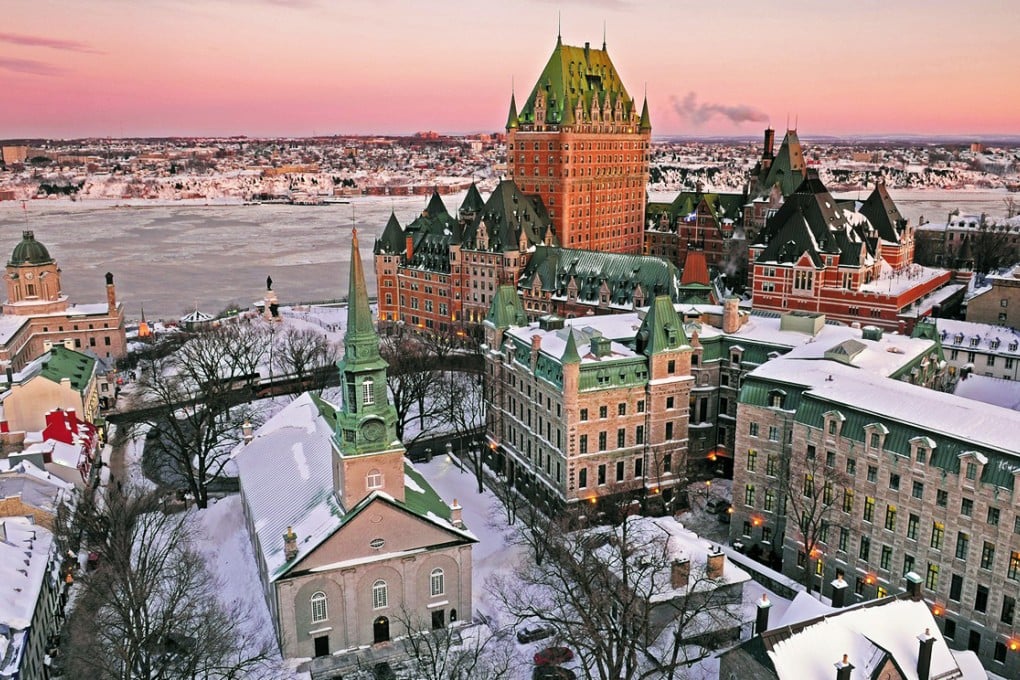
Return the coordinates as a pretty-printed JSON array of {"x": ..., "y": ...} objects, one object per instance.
[
  {"x": 473, "y": 202},
  {"x": 511, "y": 120},
  {"x": 646, "y": 121},
  {"x": 392, "y": 241},
  {"x": 436, "y": 208},
  {"x": 661, "y": 329},
  {"x": 361, "y": 343},
  {"x": 570, "y": 355}
]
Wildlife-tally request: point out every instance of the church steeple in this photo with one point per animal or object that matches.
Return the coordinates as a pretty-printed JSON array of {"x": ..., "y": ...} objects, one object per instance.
[{"x": 361, "y": 342}]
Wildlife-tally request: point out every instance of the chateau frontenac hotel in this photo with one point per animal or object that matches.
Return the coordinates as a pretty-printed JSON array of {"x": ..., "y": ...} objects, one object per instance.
[{"x": 618, "y": 367}]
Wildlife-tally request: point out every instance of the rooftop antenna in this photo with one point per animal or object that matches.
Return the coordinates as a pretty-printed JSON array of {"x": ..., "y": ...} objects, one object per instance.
[
  {"x": 603, "y": 35},
  {"x": 559, "y": 27},
  {"x": 787, "y": 122},
  {"x": 796, "y": 119}
]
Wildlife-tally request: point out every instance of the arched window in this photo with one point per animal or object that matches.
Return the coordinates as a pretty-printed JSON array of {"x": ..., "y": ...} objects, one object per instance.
[
  {"x": 379, "y": 596},
  {"x": 367, "y": 392},
  {"x": 320, "y": 611},
  {"x": 374, "y": 479},
  {"x": 437, "y": 582}
]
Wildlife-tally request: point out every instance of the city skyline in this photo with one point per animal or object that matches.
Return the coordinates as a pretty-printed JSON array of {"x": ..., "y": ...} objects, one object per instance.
[{"x": 307, "y": 67}]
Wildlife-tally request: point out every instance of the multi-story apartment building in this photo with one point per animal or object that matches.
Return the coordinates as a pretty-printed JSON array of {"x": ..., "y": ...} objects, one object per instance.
[
  {"x": 581, "y": 145},
  {"x": 896, "y": 478},
  {"x": 964, "y": 239},
  {"x": 998, "y": 305},
  {"x": 695, "y": 221},
  {"x": 585, "y": 410},
  {"x": 982, "y": 349}
]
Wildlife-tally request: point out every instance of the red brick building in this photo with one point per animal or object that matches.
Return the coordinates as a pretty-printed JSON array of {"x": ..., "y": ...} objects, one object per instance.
[{"x": 580, "y": 144}]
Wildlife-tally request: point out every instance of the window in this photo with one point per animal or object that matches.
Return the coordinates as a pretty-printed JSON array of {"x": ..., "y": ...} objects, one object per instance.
[
  {"x": 1000, "y": 649},
  {"x": 1013, "y": 571},
  {"x": 602, "y": 475},
  {"x": 1016, "y": 524},
  {"x": 859, "y": 585},
  {"x": 851, "y": 466},
  {"x": 437, "y": 582},
  {"x": 773, "y": 434},
  {"x": 931, "y": 581},
  {"x": 844, "y": 538},
  {"x": 890, "y": 517},
  {"x": 1008, "y": 609},
  {"x": 766, "y": 534},
  {"x": 922, "y": 454},
  {"x": 942, "y": 498},
  {"x": 621, "y": 438},
  {"x": 912, "y": 522},
  {"x": 987, "y": 555},
  {"x": 669, "y": 430},
  {"x": 865, "y": 548},
  {"x": 981, "y": 599},
  {"x": 584, "y": 414},
  {"x": 908, "y": 564},
  {"x": 752, "y": 460},
  {"x": 809, "y": 485},
  {"x": 753, "y": 429},
  {"x": 971, "y": 471},
  {"x": 872, "y": 473},
  {"x": 641, "y": 406},
  {"x": 319, "y": 609},
  {"x": 621, "y": 409},
  {"x": 603, "y": 411},
  {"x": 949, "y": 629},
  {"x": 967, "y": 507},
  {"x": 894, "y": 482},
  {"x": 993, "y": 516},
  {"x": 848, "y": 500},
  {"x": 619, "y": 470},
  {"x": 367, "y": 392},
  {"x": 770, "y": 466},
  {"x": 938, "y": 532},
  {"x": 374, "y": 480},
  {"x": 770, "y": 500},
  {"x": 638, "y": 468},
  {"x": 582, "y": 478},
  {"x": 811, "y": 452},
  {"x": 830, "y": 459},
  {"x": 671, "y": 367},
  {"x": 582, "y": 444},
  {"x": 875, "y": 440},
  {"x": 667, "y": 462},
  {"x": 962, "y": 541},
  {"x": 670, "y": 402},
  {"x": 956, "y": 588},
  {"x": 639, "y": 434},
  {"x": 886, "y": 559},
  {"x": 869, "y": 508},
  {"x": 749, "y": 494},
  {"x": 380, "y": 598}
]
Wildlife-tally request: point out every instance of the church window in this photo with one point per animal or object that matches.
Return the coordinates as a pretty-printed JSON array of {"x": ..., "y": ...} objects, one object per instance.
[
  {"x": 437, "y": 582},
  {"x": 380, "y": 597},
  {"x": 374, "y": 479},
  {"x": 320, "y": 611},
  {"x": 368, "y": 392}
]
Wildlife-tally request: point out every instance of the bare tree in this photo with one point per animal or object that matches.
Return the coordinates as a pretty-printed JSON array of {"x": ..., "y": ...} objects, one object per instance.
[
  {"x": 198, "y": 398},
  {"x": 991, "y": 248},
  {"x": 1011, "y": 206},
  {"x": 151, "y": 610},
  {"x": 811, "y": 490},
  {"x": 456, "y": 653},
  {"x": 303, "y": 353},
  {"x": 464, "y": 406},
  {"x": 613, "y": 596},
  {"x": 412, "y": 378}
]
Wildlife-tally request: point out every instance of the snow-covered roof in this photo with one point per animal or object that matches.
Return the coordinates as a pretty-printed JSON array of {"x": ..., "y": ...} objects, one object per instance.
[
  {"x": 617, "y": 327},
  {"x": 34, "y": 486},
  {"x": 25, "y": 550},
  {"x": 868, "y": 635},
  {"x": 996, "y": 391},
  {"x": 197, "y": 316},
  {"x": 895, "y": 282},
  {"x": 9, "y": 325},
  {"x": 978, "y": 337}
]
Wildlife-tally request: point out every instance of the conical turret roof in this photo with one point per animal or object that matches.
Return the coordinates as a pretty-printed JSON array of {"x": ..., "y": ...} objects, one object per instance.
[
  {"x": 361, "y": 343},
  {"x": 392, "y": 241}
]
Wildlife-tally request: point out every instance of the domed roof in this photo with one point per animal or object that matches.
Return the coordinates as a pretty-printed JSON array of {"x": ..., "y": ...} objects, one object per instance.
[{"x": 29, "y": 251}]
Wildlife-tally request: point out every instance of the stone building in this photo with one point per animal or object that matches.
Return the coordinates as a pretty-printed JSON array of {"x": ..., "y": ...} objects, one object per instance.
[
  {"x": 581, "y": 145},
  {"x": 697, "y": 221},
  {"x": 591, "y": 409},
  {"x": 999, "y": 305},
  {"x": 353, "y": 546},
  {"x": 982, "y": 349},
  {"x": 38, "y": 314},
  {"x": 900, "y": 478}
]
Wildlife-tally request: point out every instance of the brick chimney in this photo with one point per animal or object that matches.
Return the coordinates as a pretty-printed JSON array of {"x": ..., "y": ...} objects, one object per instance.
[
  {"x": 289, "y": 544},
  {"x": 409, "y": 248},
  {"x": 927, "y": 642},
  {"x": 844, "y": 668},
  {"x": 839, "y": 590},
  {"x": 247, "y": 433},
  {"x": 761, "y": 621},
  {"x": 731, "y": 315},
  {"x": 455, "y": 515},
  {"x": 536, "y": 344},
  {"x": 679, "y": 573},
  {"x": 715, "y": 563},
  {"x": 914, "y": 585},
  {"x": 111, "y": 293}
]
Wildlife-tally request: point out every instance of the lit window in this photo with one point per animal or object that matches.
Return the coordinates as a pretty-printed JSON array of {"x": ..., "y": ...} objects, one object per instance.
[{"x": 319, "y": 609}]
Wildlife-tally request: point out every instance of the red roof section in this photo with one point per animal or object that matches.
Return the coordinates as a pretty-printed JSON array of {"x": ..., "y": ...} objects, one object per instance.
[{"x": 695, "y": 269}]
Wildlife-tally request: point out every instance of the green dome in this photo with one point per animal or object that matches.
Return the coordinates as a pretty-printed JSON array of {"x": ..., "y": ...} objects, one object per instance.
[{"x": 29, "y": 251}]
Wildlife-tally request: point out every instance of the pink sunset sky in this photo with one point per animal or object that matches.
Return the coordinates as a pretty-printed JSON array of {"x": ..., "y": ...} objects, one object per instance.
[{"x": 123, "y": 68}]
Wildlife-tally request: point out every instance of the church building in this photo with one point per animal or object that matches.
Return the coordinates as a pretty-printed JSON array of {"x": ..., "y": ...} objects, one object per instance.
[{"x": 353, "y": 546}]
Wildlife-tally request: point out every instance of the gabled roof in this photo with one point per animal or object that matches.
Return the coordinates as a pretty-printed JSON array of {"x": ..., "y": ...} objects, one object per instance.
[
  {"x": 508, "y": 215},
  {"x": 506, "y": 309},
  {"x": 695, "y": 269},
  {"x": 883, "y": 214},
  {"x": 572, "y": 76},
  {"x": 561, "y": 269},
  {"x": 788, "y": 169},
  {"x": 66, "y": 363},
  {"x": 473, "y": 201},
  {"x": 392, "y": 241},
  {"x": 662, "y": 328}
]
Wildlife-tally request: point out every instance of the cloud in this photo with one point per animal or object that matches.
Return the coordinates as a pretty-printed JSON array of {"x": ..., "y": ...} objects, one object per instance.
[
  {"x": 53, "y": 43},
  {"x": 689, "y": 109},
  {"x": 38, "y": 68}
]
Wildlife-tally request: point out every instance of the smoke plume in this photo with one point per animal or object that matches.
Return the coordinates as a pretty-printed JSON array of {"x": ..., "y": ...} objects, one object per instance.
[{"x": 689, "y": 109}]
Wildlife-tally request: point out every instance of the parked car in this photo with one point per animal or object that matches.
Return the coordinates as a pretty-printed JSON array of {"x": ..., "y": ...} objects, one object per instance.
[
  {"x": 535, "y": 631},
  {"x": 551, "y": 656},
  {"x": 716, "y": 505},
  {"x": 553, "y": 673}
]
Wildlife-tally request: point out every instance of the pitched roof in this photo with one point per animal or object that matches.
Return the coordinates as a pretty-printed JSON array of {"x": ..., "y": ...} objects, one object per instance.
[
  {"x": 392, "y": 241},
  {"x": 506, "y": 309},
  {"x": 66, "y": 363},
  {"x": 787, "y": 169},
  {"x": 473, "y": 201},
  {"x": 573, "y": 76},
  {"x": 883, "y": 214},
  {"x": 661, "y": 329},
  {"x": 507, "y": 216},
  {"x": 695, "y": 269},
  {"x": 559, "y": 270}
]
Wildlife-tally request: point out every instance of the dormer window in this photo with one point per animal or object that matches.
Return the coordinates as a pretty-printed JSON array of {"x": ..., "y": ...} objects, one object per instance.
[
  {"x": 777, "y": 398},
  {"x": 833, "y": 422},
  {"x": 875, "y": 435}
]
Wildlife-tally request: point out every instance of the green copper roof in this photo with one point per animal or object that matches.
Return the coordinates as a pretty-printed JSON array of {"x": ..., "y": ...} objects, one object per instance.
[
  {"x": 66, "y": 363},
  {"x": 29, "y": 251},
  {"x": 883, "y": 214},
  {"x": 662, "y": 329},
  {"x": 392, "y": 241},
  {"x": 646, "y": 120},
  {"x": 511, "y": 119},
  {"x": 570, "y": 355},
  {"x": 436, "y": 207},
  {"x": 473, "y": 202},
  {"x": 361, "y": 343},
  {"x": 508, "y": 217},
  {"x": 576, "y": 76},
  {"x": 788, "y": 169},
  {"x": 506, "y": 309}
]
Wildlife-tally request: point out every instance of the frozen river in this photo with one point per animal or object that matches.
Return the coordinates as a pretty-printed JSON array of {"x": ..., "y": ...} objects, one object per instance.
[{"x": 168, "y": 258}]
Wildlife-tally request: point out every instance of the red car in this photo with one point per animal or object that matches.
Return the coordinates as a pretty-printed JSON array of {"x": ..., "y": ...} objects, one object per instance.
[{"x": 551, "y": 656}]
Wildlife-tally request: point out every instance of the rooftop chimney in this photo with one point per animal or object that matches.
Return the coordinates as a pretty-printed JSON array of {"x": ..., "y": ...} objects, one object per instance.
[
  {"x": 770, "y": 143},
  {"x": 455, "y": 515},
  {"x": 913, "y": 585},
  {"x": 731, "y": 315},
  {"x": 247, "y": 433},
  {"x": 844, "y": 668},
  {"x": 839, "y": 588},
  {"x": 715, "y": 563},
  {"x": 289, "y": 544},
  {"x": 679, "y": 573},
  {"x": 761, "y": 622},
  {"x": 926, "y": 641}
]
